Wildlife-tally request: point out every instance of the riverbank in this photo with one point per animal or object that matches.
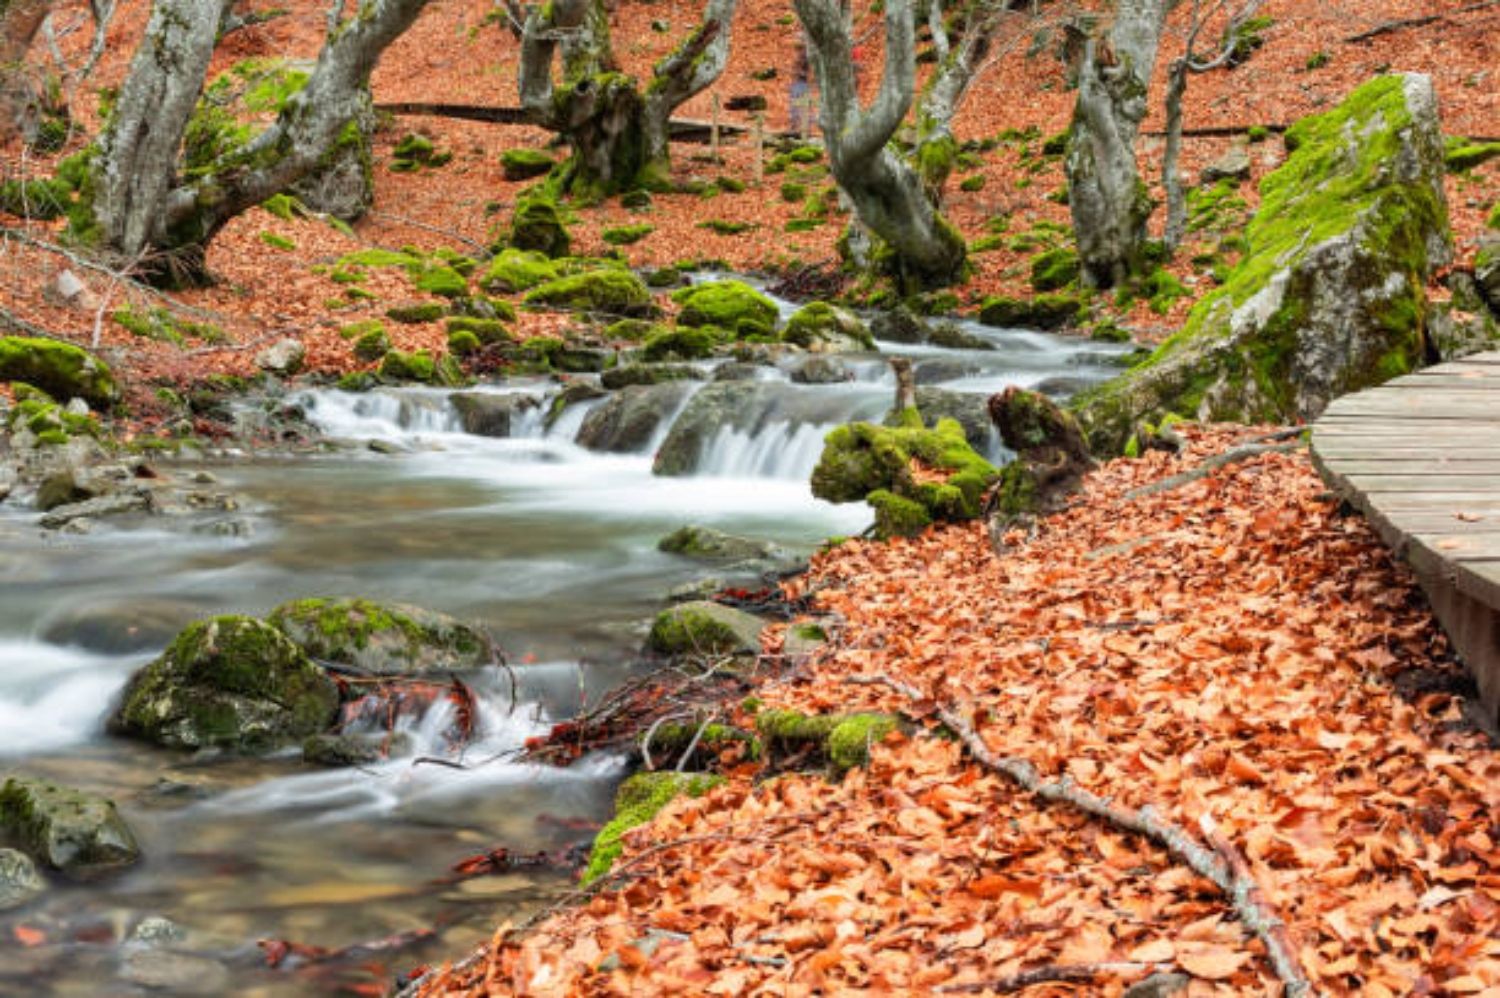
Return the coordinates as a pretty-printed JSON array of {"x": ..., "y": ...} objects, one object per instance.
[{"x": 1233, "y": 649}]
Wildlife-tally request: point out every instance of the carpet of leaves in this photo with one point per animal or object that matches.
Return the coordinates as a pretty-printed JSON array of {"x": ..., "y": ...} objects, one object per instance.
[{"x": 1234, "y": 648}]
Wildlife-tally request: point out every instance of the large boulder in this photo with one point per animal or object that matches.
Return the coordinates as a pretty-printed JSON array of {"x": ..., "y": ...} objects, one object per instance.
[
  {"x": 382, "y": 639},
  {"x": 1329, "y": 297},
  {"x": 967, "y": 409},
  {"x": 708, "y": 544},
  {"x": 607, "y": 290},
  {"x": 489, "y": 414},
  {"x": 119, "y": 627},
  {"x": 703, "y": 627},
  {"x": 229, "y": 682},
  {"x": 78, "y": 834},
  {"x": 731, "y": 305},
  {"x": 631, "y": 418},
  {"x": 823, "y": 328},
  {"x": 538, "y": 227},
  {"x": 59, "y": 369}
]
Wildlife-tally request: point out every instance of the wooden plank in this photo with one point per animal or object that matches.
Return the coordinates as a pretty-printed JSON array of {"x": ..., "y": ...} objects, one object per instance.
[
  {"x": 1416, "y": 466},
  {"x": 1477, "y": 382},
  {"x": 1462, "y": 547},
  {"x": 1473, "y": 484},
  {"x": 1481, "y": 580},
  {"x": 1482, "y": 408},
  {"x": 1339, "y": 452}
]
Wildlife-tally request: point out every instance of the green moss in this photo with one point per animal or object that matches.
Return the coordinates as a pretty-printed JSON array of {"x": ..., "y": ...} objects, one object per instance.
[
  {"x": 514, "y": 270},
  {"x": 819, "y": 323},
  {"x": 682, "y": 344},
  {"x": 842, "y": 739},
  {"x": 637, "y": 802},
  {"x": 1055, "y": 269},
  {"x": 440, "y": 279},
  {"x": 151, "y": 324},
  {"x": 484, "y": 330},
  {"x": 414, "y": 147},
  {"x": 538, "y": 226},
  {"x": 283, "y": 206},
  {"x": 524, "y": 164},
  {"x": 725, "y": 227},
  {"x": 427, "y": 311},
  {"x": 375, "y": 256},
  {"x": 1049, "y": 311},
  {"x": 61, "y": 369},
  {"x": 624, "y": 235},
  {"x": 43, "y": 200},
  {"x": 355, "y": 381},
  {"x": 849, "y": 742},
  {"x": 461, "y": 343},
  {"x": 1465, "y": 156},
  {"x": 355, "y": 330},
  {"x": 399, "y": 366},
  {"x": 731, "y": 305},
  {"x": 792, "y": 191},
  {"x": 680, "y": 631},
  {"x": 372, "y": 345},
  {"x": 972, "y": 183},
  {"x": 279, "y": 242},
  {"x": 896, "y": 516},
  {"x": 614, "y": 292}
]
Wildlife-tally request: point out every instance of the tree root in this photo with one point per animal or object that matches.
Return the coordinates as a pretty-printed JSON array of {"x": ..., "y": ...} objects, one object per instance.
[
  {"x": 1073, "y": 972},
  {"x": 1210, "y": 465},
  {"x": 1218, "y": 863}
]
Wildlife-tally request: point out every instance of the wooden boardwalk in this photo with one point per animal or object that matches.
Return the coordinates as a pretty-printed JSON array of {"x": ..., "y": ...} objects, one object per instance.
[{"x": 1420, "y": 457}]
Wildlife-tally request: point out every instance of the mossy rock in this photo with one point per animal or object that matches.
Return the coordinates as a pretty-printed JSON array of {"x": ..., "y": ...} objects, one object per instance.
[
  {"x": 625, "y": 235},
  {"x": 702, "y": 628},
  {"x": 1049, "y": 311},
  {"x": 824, "y": 328},
  {"x": 398, "y": 365},
  {"x": 842, "y": 740},
  {"x": 862, "y": 461},
  {"x": 638, "y": 800},
  {"x": 389, "y": 639},
  {"x": 682, "y": 344},
  {"x": 76, "y": 833},
  {"x": 62, "y": 370},
  {"x": 1055, "y": 269},
  {"x": 731, "y": 305},
  {"x": 440, "y": 279},
  {"x": 646, "y": 374},
  {"x": 372, "y": 345},
  {"x": 608, "y": 291},
  {"x": 1464, "y": 156},
  {"x": 523, "y": 164},
  {"x": 538, "y": 227},
  {"x": 416, "y": 312},
  {"x": 230, "y": 682},
  {"x": 1329, "y": 297},
  {"x": 486, "y": 331},
  {"x": 514, "y": 270},
  {"x": 708, "y": 544}
]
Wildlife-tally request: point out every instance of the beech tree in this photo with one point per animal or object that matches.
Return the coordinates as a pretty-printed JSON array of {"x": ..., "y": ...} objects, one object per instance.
[
  {"x": 144, "y": 207},
  {"x": 618, "y": 131},
  {"x": 20, "y": 99},
  {"x": 1108, "y": 200},
  {"x": 896, "y": 195}
]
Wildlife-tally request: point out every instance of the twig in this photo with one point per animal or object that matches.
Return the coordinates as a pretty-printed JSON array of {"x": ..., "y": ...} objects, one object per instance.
[
  {"x": 1240, "y": 890},
  {"x": 693, "y": 745},
  {"x": 1054, "y": 972},
  {"x": 439, "y": 230},
  {"x": 1387, "y": 27},
  {"x": 651, "y": 733},
  {"x": 1210, "y": 465}
]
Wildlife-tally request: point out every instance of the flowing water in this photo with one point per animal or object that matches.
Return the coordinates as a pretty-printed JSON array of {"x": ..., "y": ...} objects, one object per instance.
[{"x": 551, "y": 546}]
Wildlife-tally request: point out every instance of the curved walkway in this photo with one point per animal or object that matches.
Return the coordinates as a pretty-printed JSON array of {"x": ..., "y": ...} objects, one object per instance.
[{"x": 1420, "y": 458}]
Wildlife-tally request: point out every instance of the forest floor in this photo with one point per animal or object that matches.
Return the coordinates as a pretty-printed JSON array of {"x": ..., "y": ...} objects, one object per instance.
[{"x": 1236, "y": 649}]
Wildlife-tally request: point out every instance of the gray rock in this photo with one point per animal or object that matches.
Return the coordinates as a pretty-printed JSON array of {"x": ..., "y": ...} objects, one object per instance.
[
  {"x": 120, "y": 502},
  {"x": 738, "y": 371},
  {"x": 899, "y": 325},
  {"x": 575, "y": 392},
  {"x": 967, "y": 409},
  {"x": 630, "y": 419},
  {"x": 705, "y": 628},
  {"x": 119, "y": 627},
  {"x": 1233, "y": 165},
  {"x": 387, "y": 639},
  {"x": 803, "y": 640},
  {"x": 154, "y": 930},
  {"x": 160, "y": 969},
  {"x": 487, "y": 414},
  {"x": 821, "y": 369},
  {"x": 955, "y": 337},
  {"x": 697, "y": 589},
  {"x": 1465, "y": 324},
  {"x": 62, "y": 488},
  {"x": 1487, "y": 270},
  {"x": 80, "y": 835},
  {"x": 284, "y": 357},
  {"x": 708, "y": 544},
  {"x": 19, "y": 880},
  {"x": 1331, "y": 296},
  {"x": 228, "y": 682},
  {"x": 647, "y": 374},
  {"x": 936, "y": 370},
  {"x": 350, "y": 750},
  {"x": 1062, "y": 386},
  {"x": 823, "y": 328},
  {"x": 1159, "y": 986}
]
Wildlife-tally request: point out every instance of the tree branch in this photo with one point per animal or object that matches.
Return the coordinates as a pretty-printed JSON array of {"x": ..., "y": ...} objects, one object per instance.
[{"x": 1238, "y": 886}]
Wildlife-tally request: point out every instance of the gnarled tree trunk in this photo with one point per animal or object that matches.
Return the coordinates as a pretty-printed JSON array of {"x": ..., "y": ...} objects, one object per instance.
[
  {"x": 895, "y": 199},
  {"x": 1109, "y": 202},
  {"x": 20, "y": 102},
  {"x": 145, "y": 210},
  {"x": 618, "y": 132}
]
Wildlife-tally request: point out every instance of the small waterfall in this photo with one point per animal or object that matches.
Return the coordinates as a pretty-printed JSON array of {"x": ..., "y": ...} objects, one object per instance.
[
  {"x": 780, "y": 450},
  {"x": 380, "y": 414}
]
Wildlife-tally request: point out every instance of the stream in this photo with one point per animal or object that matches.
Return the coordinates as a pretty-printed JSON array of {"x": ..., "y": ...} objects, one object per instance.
[{"x": 550, "y": 545}]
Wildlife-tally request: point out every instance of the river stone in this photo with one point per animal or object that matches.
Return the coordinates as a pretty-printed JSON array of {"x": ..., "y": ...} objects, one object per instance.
[
  {"x": 823, "y": 328},
  {"x": 647, "y": 374},
  {"x": 705, "y": 628},
  {"x": 78, "y": 834},
  {"x": 228, "y": 682},
  {"x": 1329, "y": 298},
  {"x": 19, "y": 879},
  {"x": 284, "y": 357},
  {"x": 1487, "y": 270},
  {"x": 158, "y": 969},
  {"x": 899, "y": 325},
  {"x": 821, "y": 369},
  {"x": 739, "y": 370},
  {"x": 390, "y": 639},
  {"x": 964, "y": 408},
  {"x": 628, "y": 421},
  {"x": 1233, "y": 165},
  {"x": 351, "y": 750},
  {"x": 62, "y": 488},
  {"x": 487, "y": 414},
  {"x": 122, "y": 627},
  {"x": 955, "y": 337},
  {"x": 120, "y": 502},
  {"x": 708, "y": 544}
]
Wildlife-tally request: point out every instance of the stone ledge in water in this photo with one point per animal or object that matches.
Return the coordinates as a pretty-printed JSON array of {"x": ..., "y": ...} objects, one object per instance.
[
  {"x": 229, "y": 682},
  {"x": 708, "y": 544},
  {"x": 631, "y": 417},
  {"x": 488, "y": 414},
  {"x": 19, "y": 880},
  {"x": 390, "y": 639},
  {"x": 78, "y": 834},
  {"x": 702, "y": 627}
]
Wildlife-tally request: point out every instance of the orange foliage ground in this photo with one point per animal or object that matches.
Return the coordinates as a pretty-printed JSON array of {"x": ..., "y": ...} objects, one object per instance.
[{"x": 1234, "y": 648}]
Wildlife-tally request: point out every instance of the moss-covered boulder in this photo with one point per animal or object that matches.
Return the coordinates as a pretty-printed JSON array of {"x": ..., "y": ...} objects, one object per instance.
[
  {"x": 1046, "y": 311},
  {"x": 708, "y": 544},
  {"x": 383, "y": 639},
  {"x": 647, "y": 374},
  {"x": 702, "y": 627},
  {"x": 731, "y": 305},
  {"x": 77, "y": 834},
  {"x": 910, "y": 475},
  {"x": 229, "y": 682},
  {"x": 1051, "y": 459},
  {"x": 608, "y": 291},
  {"x": 638, "y": 800},
  {"x": 537, "y": 226},
  {"x": 1055, "y": 269},
  {"x": 514, "y": 270},
  {"x": 19, "y": 880},
  {"x": 631, "y": 418},
  {"x": 1329, "y": 298},
  {"x": 59, "y": 369},
  {"x": 522, "y": 163},
  {"x": 824, "y": 328},
  {"x": 842, "y": 740}
]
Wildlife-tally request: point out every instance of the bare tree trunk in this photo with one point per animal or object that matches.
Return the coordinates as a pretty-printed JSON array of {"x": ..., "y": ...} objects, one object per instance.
[
  {"x": 1109, "y": 202},
  {"x": 888, "y": 194},
  {"x": 20, "y": 104},
  {"x": 141, "y": 205},
  {"x": 1177, "y": 78}
]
